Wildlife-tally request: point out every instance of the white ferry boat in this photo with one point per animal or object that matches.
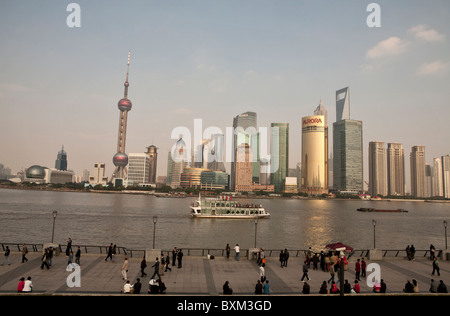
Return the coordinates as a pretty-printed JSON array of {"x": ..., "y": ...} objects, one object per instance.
[{"x": 224, "y": 207}]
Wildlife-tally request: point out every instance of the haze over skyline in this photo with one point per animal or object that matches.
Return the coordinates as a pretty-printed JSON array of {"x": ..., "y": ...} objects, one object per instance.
[{"x": 212, "y": 61}]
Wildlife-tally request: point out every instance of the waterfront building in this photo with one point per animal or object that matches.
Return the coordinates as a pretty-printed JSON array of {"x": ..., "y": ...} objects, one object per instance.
[
  {"x": 214, "y": 180},
  {"x": 290, "y": 185},
  {"x": 377, "y": 169},
  {"x": 98, "y": 176},
  {"x": 417, "y": 165},
  {"x": 321, "y": 110},
  {"x": 245, "y": 132},
  {"x": 428, "y": 181},
  {"x": 437, "y": 186},
  {"x": 348, "y": 156},
  {"x": 213, "y": 153},
  {"x": 169, "y": 168},
  {"x": 120, "y": 159},
  {"x": 61, "y": 160},
  {"x": 85, "y": 175},
  {"x": 313, "y": 155},
  {"x": 243, "y": 169},
  {"x": 395, "y": 169},
  {"x": 446, "y": 176},
  {"x": 191, "y": 177},
  {"x": 279, "y": 154},
  {"x": 43, "y": 175},
  {"x": 152, "y": 153},
  {"x": 139, "y": 165},
  {"x": 343, "y": 104}
]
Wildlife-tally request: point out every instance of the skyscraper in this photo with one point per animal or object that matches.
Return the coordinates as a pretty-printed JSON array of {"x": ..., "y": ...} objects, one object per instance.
[
  {"x": 180, "y": 158},
  {"x": 243, "y": 168},
  {"x": 395, "y": 169},
  {"x": 377, "y": 169},
  {"x": 120, "y": 159},
  {"x": 279, "y": 153},
  {"x": 61, "y": 160},
  {"x": 446, "y": 176},
  {"x": 313, "y": 172},
  {"x": 343, "y": 104},
  {"x": 321, "y": 110},
  {"x": 245, "y": 132},
  {"x": 152, "y": 153},
  {"x": 438, "y": 189},
  {"x": 138, "y": 169},
  {"x": 417, "y": 164}
]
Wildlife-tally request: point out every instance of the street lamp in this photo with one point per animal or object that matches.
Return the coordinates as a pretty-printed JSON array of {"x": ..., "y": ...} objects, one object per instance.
[
  {"x": 374, "y": 223},
  {"x": 54, "y": 218},
  {"x": 256, "y": 226},
  {"x": 445, "y": 228},
  {"x": 155, "y": 219}
]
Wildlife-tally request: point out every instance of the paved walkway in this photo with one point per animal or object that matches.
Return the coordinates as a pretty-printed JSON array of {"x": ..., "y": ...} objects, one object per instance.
[{"x": 200, "y": 276}]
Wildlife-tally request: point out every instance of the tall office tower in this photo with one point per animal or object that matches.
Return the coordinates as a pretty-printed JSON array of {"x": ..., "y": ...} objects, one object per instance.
[
  {"x": 61, "y": 160},
  {"x": 320, "y": 110},
  {"x": 243, "y": 168},
  {"x": 348, "y": 156},
  {"x": 438, "y": 186},
  {"x": 120, "y": 159},
  {"x": 417, "y": 164},
  {"x": 377, "y": 169},
  {"x": 169, "y": 168},
  {"x": 395, "y": 169},
  {"x": 85, "y": 176},
  {"x": 245, "y": 132},
  {"x": 138, "y": 169},
  {"x": 313, "y": 155},
  {"x": 152, "y": 153},
  {"x": 180, "y": 159},
  {"x": 446, "y": 176},
  {"x": 213, "y": 153},
  {"x": 428, "y": 180},
  {"x": 279, "y": 154},
  {"x": 343, "y": 104}
]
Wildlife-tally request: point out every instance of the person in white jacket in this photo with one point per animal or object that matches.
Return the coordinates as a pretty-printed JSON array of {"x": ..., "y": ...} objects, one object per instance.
[
  {"x": 124, "y": 269},
  {"x": 28, "y": 286}
]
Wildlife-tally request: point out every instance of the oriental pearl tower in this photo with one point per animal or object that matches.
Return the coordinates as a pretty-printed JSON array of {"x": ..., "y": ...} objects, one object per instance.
[{"x": 120, "y": 159}]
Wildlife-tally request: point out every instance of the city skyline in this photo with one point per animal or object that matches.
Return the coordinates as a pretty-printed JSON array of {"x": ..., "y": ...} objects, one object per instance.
[{"x": 214, "y": 61}]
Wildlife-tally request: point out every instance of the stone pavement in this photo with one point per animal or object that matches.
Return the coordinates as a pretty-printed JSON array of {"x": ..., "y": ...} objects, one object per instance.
[{"x": 200, "y": 276}]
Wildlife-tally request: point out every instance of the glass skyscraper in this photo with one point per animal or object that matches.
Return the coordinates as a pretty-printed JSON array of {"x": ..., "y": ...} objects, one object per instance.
[
  {"x": 279, "y": 154},
  {"x": 61, "y": 160}
]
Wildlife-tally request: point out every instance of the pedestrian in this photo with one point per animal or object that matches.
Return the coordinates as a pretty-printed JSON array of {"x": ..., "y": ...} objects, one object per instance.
[
  {"x": 44, "y": 259},
  {"x": 363, "y": 268},
  {"x": 286, "y": 257},
  {"x": 21, "y": 284},
  {"x": 323, "y": 288},
  {"x": 78, "y": 256},
  {"x": 227, "y": 290},
  {"x": 435, "y": 267},
  {"x": 69, "y": 246},
  {"x": 413, "y": 252},
  {"x": 408, "y": 252},
  {"x": 28, "y": 285},
  {"x": 69, "y": 261},
  {"x": 282, "y": 258},
  {"x": 306, "y": 288},
  {"x": 6, "y": 257},
  {"x": 315, "y": 260},
  {"x": 167, "y": 263},
  {"x": 383, "y": 286},
  {"x": 356, "y": 287},
  {"x": 237, "y": 251},
  {"x": 442, "y": 288},
  {"x": 137, "y": 286},
  {"x": 174, "y": 255},
  {"x": 409, "y": 288},
  {"x": 258, "y": 287},
  {"x": 228, "y": 249},
  {"x": 156, "y": 266},
  {"x": 357, "y": 270},
  {"x": 124, "y": 269},
  {"x": 331, "y": 274},
  {"x": 322, "y": 261},
  {"x": 143, "y": 266},
  {"x": 262, "y": 273},
  {"x": 305, "y": 271},
  {"x": 180, "y": 258},
  {"x": 415, "y": 286},
  {"x": 127, "y": 287},
  {"x": 266, "y": 288},
  {"x": 50, "y": 256},
  {"x": 433, "y": 286},
  {"x": 24, "y": 253},
  {"x": 432, "y": 252},
  {"x": 110, "y": 252}
]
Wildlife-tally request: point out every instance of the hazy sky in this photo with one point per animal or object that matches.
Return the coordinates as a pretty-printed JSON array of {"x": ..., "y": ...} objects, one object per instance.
[{"x": 212, "y": 60}]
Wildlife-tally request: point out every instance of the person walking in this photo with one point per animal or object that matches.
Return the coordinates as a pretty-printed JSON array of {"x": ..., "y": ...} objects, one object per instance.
[
  {"x": 24, "y": 253},
  {"x": 44, "y": 260},
  {"x": 282, "y": 258},
  {"x": 69, "y": 246},
  {"x": 110, "y": 252},
  {"x": 78, "y": 256},
  {"x": 143, "y": 266},
  {"x": 174, "y": 255},
  {"x": 262, "y": 273},
  {"x": 124, "y": 269},
  {"x": 435, "y": 267},
  {"x": 331, "y": 274},
  {"x": 305, "y": 271},
  {"x": 156, "y": 266},
  {"x": 363, "y": 267},
  {"x": 50, "y": 256},
  {"x": 286, "y": 257},
  {"x": 228, "y": 249},
  {"x": 432, "y": 252},
  {"x": 167, "y": 263},
  {"x": 70, "y": 260},
  {"x": 408, "y": 252},
  {"x": 237, "y": 250},
  {"x": 357, "y": 270},
  {"x": 413, "y": 252},
  {"x": 6, "y": 257}
]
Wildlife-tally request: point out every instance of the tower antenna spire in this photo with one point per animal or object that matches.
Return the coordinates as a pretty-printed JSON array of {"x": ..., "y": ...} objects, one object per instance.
[{"x": 126, "y": 84}]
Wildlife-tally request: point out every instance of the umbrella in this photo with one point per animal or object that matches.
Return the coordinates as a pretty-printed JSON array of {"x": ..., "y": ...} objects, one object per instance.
[{"x": 339, "y": 245}]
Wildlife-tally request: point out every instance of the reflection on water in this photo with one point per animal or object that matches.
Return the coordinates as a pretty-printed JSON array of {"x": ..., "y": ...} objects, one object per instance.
[{"x": 127, "y": 220}]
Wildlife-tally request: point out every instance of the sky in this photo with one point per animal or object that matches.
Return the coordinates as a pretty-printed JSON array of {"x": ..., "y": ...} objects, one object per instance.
[{"x": 212, "y": 60}]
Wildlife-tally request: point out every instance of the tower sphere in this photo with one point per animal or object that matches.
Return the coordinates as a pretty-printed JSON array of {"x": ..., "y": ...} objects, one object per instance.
[
  {"x": 124, "y": 104},
  {"x": 120, "y": 159}
]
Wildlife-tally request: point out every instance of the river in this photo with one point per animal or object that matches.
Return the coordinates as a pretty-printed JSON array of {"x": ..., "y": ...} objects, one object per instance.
[{"x": 127, "y": 220}]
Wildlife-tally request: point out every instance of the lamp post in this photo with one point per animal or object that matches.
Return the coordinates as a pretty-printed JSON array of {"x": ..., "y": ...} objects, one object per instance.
[
  {"x": 155, "y": 219},
  {"x": 374, "y": 223},
  {"x": 256, "y": 226},
  {"x": 54, "y": 219},
  {"x": 445, "y": 228}
]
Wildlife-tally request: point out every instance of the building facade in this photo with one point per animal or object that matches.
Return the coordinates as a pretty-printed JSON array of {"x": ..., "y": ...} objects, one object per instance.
[
  {"x": 377, "y": 169},
  {"x": 395, "y": 169},
  {"x": 243, "y": 169},
  {"x": 446, "y": 176},
  {"x": 279, "y": 154},
  {"x": 152, "y": 153},
  {"x": 61, "y": 160},
  {"x": 417, "y": 164},
  {"x": 139, "y": 165}
]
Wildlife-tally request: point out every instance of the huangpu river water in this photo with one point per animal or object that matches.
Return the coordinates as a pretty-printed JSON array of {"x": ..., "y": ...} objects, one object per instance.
[{"x": 127, "y": 220}]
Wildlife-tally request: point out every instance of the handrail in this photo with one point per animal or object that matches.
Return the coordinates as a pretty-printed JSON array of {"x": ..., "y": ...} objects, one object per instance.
[{"x": 219, "y": 252}]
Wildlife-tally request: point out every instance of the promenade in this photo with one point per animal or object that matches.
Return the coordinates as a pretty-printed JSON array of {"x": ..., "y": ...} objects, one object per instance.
[{"x": 200, "y": 276}]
